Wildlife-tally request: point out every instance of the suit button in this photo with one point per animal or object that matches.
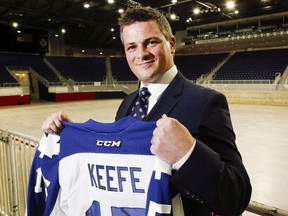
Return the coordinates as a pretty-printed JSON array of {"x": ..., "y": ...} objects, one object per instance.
[{"x": 187, "y": 192}]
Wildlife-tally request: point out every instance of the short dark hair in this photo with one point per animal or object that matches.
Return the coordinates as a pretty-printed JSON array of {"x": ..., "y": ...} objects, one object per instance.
[{"x": 141, "y": 14}]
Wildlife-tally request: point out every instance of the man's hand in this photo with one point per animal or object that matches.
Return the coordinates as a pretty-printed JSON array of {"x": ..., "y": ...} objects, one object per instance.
[
  {"x": 171, "y": 140},
  {"x": 53, "y": 124}
]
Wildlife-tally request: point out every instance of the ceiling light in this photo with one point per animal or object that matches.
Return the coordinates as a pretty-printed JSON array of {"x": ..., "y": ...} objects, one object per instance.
[
  {"x": 15, "y": 24},
  {"x": 174, "y": 1},
  {"x": 110, "y": 1},
  {"x": 230, "y": 5},
  {"x": 86, "y": 5},
  {"x": 173, "y": 17},
  {"x": 120, "y": 10},
  {"x": 196, "y": 11},
  {"x": 63, "y": 30},
  {"x": 112, "y": 29}
]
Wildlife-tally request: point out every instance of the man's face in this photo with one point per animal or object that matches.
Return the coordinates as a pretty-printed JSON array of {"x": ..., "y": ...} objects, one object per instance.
[{"x": 148, "y": 53}]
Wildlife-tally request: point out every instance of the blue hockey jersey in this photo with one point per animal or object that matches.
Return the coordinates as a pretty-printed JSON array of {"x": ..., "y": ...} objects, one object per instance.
[{"x": 97, "y": 169}]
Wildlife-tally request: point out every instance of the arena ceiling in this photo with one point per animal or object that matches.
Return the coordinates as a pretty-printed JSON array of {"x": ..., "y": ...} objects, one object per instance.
[{"x": 96, "y": 27}]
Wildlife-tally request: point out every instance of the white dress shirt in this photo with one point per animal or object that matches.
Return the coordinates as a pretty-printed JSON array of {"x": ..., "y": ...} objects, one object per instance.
[{"x": 156, "y": 89}]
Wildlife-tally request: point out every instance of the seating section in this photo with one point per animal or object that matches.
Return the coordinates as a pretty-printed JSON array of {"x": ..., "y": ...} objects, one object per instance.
[
  {"x": 80, "y": 69},
  {"x": 194, "y": 66},
  {"x": 121, "y": 70},
  {"x": 5, "y": 76},
  {"x": 254, "y": 65},
  {"x": 24, "y": 60}
]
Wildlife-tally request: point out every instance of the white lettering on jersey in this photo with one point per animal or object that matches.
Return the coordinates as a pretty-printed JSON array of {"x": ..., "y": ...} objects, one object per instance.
[
  {"x": 108, "y": 143},
  {"x": 38, "y": 188},
  {"x": 158, "y": 208}
]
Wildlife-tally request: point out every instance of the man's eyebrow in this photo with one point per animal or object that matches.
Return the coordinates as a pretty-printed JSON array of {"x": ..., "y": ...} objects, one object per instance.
[
  {"x": 152, "y": 38},
  {"x": 145, "y": 40}
]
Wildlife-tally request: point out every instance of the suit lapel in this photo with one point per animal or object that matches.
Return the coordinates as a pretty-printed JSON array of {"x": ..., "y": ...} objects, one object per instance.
[
  {"x": 126, "y": 106},
  {"x": 168, "y": 100}
]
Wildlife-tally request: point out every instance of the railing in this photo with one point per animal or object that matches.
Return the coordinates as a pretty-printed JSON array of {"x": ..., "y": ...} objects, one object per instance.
[
  {"x": 237, "y": 34},
  {"x": 262, "y": 209},
  {"x": 9, "y": 85},
  {"x": 249, "y": 87},
  {"x": 17, "y": 152},
  {"x": 241, "y": 81}
]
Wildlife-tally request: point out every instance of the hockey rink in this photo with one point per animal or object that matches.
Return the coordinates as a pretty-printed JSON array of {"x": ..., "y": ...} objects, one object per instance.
[{"x": 261, "y": 133}]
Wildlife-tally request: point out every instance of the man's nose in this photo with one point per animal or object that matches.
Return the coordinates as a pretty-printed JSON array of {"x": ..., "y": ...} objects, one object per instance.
[{"x": 142, "y": 52}]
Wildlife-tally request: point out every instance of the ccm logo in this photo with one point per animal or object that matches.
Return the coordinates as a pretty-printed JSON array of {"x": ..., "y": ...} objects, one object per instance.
[{"x": 108, "y": 143}]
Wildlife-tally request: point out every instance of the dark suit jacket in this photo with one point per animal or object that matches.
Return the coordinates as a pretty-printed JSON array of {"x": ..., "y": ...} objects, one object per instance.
[{"x": 214, "y": 178}]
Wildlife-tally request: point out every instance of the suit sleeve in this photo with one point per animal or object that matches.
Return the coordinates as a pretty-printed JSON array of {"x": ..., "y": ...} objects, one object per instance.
[{"x": 214, "y": 174}]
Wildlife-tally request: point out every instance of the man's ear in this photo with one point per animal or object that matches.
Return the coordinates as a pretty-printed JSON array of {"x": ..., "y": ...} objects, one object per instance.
[{"x": 173, "y": 44}]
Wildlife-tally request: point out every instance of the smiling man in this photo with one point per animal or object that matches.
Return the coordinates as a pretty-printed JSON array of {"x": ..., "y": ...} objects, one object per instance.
[
  {"x": 194, "y": 133},
  {"x": 148, "y": 51}
]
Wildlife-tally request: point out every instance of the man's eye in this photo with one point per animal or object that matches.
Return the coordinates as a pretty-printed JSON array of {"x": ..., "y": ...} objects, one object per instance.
[
  {"x": 152, "y": 42},
  {"x": 130, "y": 48}
]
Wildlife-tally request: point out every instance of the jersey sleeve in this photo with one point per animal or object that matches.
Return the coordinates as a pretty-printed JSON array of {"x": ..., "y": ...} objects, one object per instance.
[
  {"x": 160, "y": 196},
  {"x": 43, "y": 183}
]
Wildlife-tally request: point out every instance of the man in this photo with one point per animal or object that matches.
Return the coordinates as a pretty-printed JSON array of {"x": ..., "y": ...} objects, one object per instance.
[{"x": 194, "y": 133}]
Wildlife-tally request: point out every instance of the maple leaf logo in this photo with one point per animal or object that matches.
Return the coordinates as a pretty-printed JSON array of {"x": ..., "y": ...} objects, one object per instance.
[{"x": 49, "y": 145}]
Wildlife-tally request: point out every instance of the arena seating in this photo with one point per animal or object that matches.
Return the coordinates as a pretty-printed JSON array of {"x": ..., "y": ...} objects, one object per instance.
[
  {"x": 5, "y": 75},
  {"x": 33, "y": 61},
  {"x": 254, "y": 65},
  {"x": 81, "y": 69},
  {"x": 193, "y": 66},
  {"x": 121, "y": 70}
]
